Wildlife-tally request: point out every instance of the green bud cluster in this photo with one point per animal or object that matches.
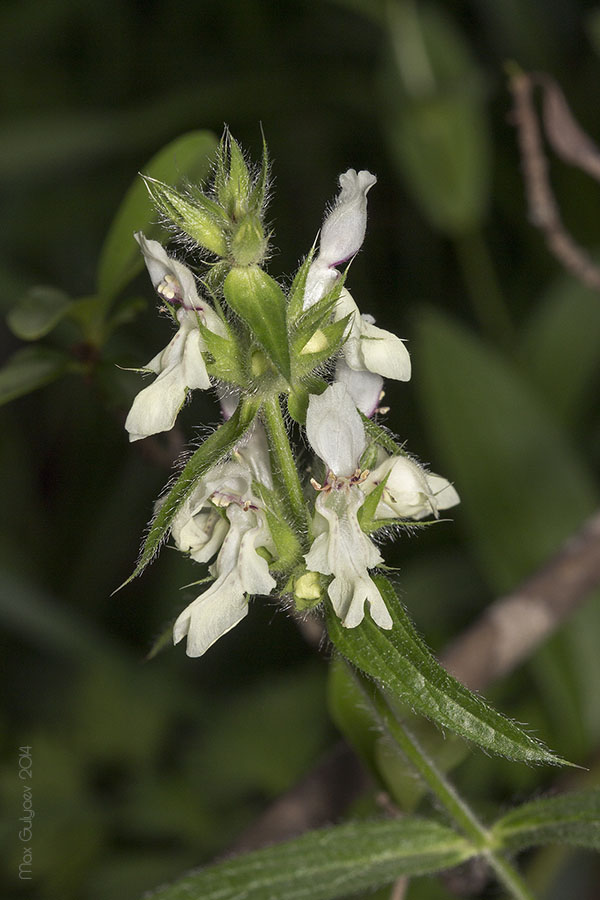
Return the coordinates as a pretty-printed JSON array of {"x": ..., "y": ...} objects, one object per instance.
[{"x": 228, "y": 220}]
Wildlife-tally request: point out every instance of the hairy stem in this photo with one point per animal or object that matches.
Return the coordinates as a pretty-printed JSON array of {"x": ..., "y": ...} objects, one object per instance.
[
  {"x": 447, "y": 796},
  {"x": 285, "y": 464}
]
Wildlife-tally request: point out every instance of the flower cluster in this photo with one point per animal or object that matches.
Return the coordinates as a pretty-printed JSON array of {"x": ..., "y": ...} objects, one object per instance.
[{"x": 249, "y": 515}]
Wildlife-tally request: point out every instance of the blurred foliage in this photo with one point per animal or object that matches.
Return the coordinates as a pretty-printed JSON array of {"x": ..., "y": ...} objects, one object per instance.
[{"x": 142, "y": 769}]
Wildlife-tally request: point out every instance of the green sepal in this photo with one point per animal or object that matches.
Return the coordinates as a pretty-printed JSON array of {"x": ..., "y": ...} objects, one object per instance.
[
  {"x": 382, "y": 436},
  {"x": 572, "y": 818},
  {"x": 220, "y": 443},
  {"x": 120, "y": 258},
  {"x": 297, "y": 404},
  {"x": 332, "y": 337},
  {"x": 198, "y": 216},
  {"x": 289, "y": 548},
  {"x": 258, "y": 194},
  {"x": 298, "y": 397},
  {"x": 315, "y": 317},
  {"x": 259, "y": 301},
  {"x": 38, "y": 312},
  {"x": 366, "y": 513},
  {"x": 329, "y": 863},
  {"x": 164, "y": 640},
  {"x": 296, "y": 292},
  {"x": 226, "y": 356},
  {"x": 248, "y": 244},
  {"x": 31, "y": 368},
  {"x": 239, "y": 180},
  {"x": 401, "y": 662}
]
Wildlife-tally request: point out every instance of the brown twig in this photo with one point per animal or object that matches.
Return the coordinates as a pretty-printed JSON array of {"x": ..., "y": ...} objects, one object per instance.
[
  {"x": 571, "y": 144},
  {"x": 505, "y": 635}
]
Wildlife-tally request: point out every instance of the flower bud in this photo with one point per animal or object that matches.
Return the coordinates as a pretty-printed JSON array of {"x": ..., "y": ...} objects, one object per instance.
[
  {"x": 308, "y": 590},
  {"x": 249, "y": 243},
  {"x": 199, "y": 217},
  {"x": 342, "y": 234}
]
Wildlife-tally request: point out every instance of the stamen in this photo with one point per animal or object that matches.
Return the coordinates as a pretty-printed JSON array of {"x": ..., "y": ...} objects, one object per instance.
[{"x": 170, "y": 289}]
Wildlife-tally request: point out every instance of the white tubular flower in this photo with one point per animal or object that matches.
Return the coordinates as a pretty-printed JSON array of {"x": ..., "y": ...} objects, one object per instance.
[
  {"x": 342, "y": 234},
  {"x": 335, "y": 431},
  {"x": 239, "y": 571},
  {"x": 365, "y": 388},
  {"x": 200, "y": 530},
  {"x": 369, "y": 348},
  {"x": 410, "y": 492},
  {"x": 180, "y": 366}
]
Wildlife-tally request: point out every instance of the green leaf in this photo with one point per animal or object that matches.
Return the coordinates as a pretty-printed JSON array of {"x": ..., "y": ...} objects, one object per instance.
[
  {"x": 38, "y": 312},
  {"x": 220, "y": 443},
  {"x": 568, "y": 819},
  {"x": 436, "y": 119},
  {"x": 120, "y": 260},
  {"x": 329, "y": 863},
  {"x": 524, "y": 486},
  {"x": 400, "y": 661},
  {"x": 260, "y": 302},
  {"x": 29, "y": 369},
  {"x": 561, "y": 347}
]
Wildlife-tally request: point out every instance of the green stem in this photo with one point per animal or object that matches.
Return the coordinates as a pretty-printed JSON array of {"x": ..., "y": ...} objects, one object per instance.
[
  {"x": 508, "y": 876},
  {"x": 448, "y": 797},
  {"x": 484, "y": 290},
  {"x": 285, "y": 463}
]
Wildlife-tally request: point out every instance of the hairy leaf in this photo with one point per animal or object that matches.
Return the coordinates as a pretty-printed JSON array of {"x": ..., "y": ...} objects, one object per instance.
[
  {"x": 220, "y": 443},
  {"x": 400, "y": 661},
  {"x": 568, "y": 819},
  {"x": 329, "y": 863}
]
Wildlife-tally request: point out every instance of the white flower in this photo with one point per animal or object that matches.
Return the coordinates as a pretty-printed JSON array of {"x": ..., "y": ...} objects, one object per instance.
[
  {"x": 200, "y": 529},
  {"x": 365, "y": 388},
  {"x": 342, "y": 234},
  {"x": 335, "y": 431},
  {"x": 410, "y": 492},
  {"x": 239, "y": 571},
  {"x": 369, "y": 348},
  {"x": 180, "y": 366}
]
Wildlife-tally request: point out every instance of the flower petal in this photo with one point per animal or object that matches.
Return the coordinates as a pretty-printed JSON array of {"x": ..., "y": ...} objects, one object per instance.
[
  {"x": 348, "y": 598},
  {"x": 335, "y": 430},
  {"x": 208, "y": 618},
  {"x": 364, "y": 387},
  {"x": 384, "y": 353},
  {"x": 342, "y": 234},
  {"x": 180, "y": 367},
  {"x": 343, "y": 230},
  {"x": 343, "y": 550},
  {"x": 240, "y": 571},
  {"x": 160, "y": 265}
]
